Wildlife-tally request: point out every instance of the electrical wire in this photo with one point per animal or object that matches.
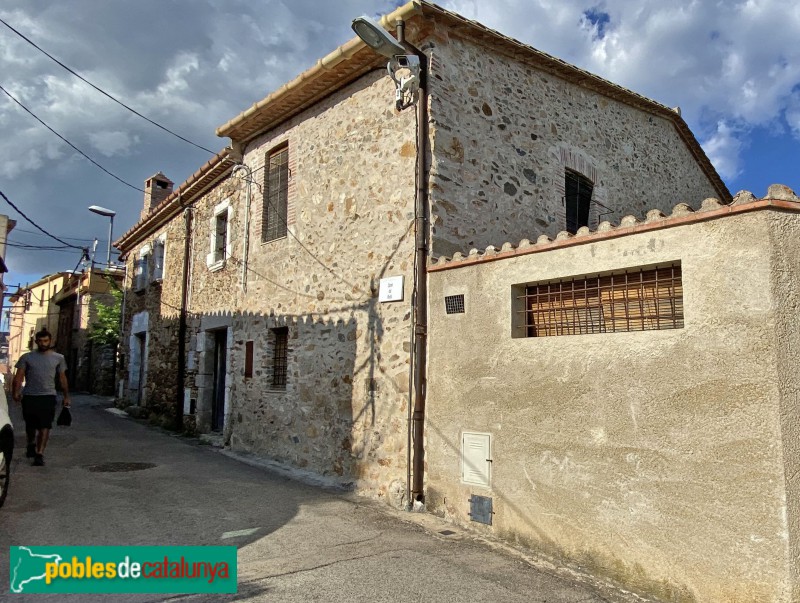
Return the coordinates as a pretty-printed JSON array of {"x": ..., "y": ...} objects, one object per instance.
[
  {"x": 52, "y": 236},
  {"x": 32, "y": 114},
  {"x": 38, "y": 234},
  {"x": 103, "y": 92},
  {"x": 16, "y": 243}
]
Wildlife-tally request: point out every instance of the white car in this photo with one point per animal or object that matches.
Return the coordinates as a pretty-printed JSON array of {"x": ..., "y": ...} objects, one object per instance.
[{"x": 6, "y": 446}]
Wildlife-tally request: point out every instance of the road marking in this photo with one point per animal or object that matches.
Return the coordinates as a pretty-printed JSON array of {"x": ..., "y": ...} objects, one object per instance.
[
  {"x": 236, "y": 533},
  {"x": 118, "y": 412}
]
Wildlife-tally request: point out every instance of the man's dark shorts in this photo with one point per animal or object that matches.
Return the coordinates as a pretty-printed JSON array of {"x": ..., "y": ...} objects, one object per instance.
[{"x": 39, "y": 411}]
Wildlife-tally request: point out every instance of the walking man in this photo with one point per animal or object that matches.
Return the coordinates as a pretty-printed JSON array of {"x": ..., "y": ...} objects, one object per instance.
[{"x": 39, "y": 370}]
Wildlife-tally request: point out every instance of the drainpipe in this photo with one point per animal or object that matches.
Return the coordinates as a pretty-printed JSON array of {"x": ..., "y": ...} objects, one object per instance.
[
  {"x": 121, "y": 344},
  {"x": 421, "y": 272},
  {"x": 246, "y": 234},
  {"x": 187, "y": 218}
]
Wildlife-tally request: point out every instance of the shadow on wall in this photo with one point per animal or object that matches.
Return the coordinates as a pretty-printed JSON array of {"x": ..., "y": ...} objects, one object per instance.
[
  {"x": 593, "y": 562},
  {"x": 311, "y": 391}
]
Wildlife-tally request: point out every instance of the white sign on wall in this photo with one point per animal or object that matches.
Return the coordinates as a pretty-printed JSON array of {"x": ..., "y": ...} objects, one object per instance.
[{"x": 391, "y": 289}]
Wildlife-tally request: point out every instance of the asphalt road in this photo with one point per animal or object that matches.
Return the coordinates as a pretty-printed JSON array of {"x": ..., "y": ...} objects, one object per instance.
[{"x": 307, "y": 543}]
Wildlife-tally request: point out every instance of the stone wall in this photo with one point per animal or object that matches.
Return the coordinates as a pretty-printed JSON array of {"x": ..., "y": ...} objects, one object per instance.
[
  {"x": 158, "y": 307},
  {"x": 351, "y": 200},
  {"x": 666, "y": 460},
  {"x": 504, "y": 132}
]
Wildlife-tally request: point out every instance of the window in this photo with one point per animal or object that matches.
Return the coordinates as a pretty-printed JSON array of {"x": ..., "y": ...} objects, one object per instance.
[
  {"x": 632, "y": 300},
  {"x": 280, "y": 356},
  {"x": 220, "y": 236},
  {"x": 577, "y": 199},
  {"x": 276, "y": 196},
  {"x": 159, "y": 246},
  {"x": 141, "y": 269},
  {"x": 248, "y": 359}
]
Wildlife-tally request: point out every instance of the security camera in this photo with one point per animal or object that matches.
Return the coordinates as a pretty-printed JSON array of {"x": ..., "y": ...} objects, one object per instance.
[{"x": 409, "y": 62}]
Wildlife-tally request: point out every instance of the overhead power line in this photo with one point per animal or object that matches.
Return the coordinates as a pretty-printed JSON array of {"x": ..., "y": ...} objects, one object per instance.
[
  {"x": 52, "y": 236},
  {"x": 103, "y": 92},
  {"x": 38, "y": 234},
  {"x": 32, "y": 114}
]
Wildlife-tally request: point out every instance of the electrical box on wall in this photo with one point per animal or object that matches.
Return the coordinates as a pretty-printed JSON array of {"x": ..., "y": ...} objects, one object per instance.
[{"x": 476, "y": 460}]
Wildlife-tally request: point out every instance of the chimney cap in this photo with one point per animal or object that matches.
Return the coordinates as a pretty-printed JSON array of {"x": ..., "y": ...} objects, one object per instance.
[{"x": 160, "y": 176}]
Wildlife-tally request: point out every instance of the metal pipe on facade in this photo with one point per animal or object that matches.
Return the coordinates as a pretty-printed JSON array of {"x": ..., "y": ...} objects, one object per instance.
[
  {"x": 421, "y": 220},
  {"x": 182, "y": 327}
]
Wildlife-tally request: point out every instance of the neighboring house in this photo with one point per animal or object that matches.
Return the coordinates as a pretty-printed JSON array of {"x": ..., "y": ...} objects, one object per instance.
[
  {"x": 269, "y": 297},
  {"x": 32, "y": 309},
  {"x": 627, "y": 399},
  {"x": 90, "y": 364},
  {"x": 155, "y": 253}
]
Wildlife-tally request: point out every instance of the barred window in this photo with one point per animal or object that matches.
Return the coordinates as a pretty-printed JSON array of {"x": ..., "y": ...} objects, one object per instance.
[
  {"x": 276, "y": 196},
  {"x": 280, "y": 357},
  {"x": 632, "y": 300}
]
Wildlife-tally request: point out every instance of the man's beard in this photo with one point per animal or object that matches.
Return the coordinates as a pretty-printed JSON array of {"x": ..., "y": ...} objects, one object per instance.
[{"x": 42, "y": 348}]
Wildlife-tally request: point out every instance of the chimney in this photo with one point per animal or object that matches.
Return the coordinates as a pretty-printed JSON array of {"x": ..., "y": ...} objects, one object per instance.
[{"x": 156, "y": 188}]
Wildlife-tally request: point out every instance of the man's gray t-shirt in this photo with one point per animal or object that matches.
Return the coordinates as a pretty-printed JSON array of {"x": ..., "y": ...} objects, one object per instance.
[{"x": 41, "y": 369}]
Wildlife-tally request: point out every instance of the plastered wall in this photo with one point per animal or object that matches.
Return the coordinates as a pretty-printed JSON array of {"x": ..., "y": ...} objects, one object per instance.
[{"x": 665, "y": 460}]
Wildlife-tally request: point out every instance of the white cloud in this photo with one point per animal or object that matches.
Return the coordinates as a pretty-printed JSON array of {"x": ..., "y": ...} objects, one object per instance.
[{"x": 723, "y": 149}]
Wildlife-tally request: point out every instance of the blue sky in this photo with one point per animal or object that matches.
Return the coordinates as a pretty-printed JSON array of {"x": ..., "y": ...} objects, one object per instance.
[{"x": 732, "y": 66}]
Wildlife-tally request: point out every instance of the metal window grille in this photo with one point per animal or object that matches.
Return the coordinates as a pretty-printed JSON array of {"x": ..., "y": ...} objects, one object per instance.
[
  {"x": 577, "y": 199},
  {"x": 627, "y": 301},
  {"x": 454, "y": 304},
  {"x": 276, "y": 196},
  {"x": 280, "y": 357}
]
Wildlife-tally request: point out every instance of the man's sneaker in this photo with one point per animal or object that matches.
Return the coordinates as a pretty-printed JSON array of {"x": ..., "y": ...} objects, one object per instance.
[
  {"x": 38, "y": 461},
  {"x": 31, "y": 452}
]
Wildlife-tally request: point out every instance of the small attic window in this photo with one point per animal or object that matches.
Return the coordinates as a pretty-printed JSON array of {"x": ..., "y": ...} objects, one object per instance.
[
  {"x": 577, "y": 199},
  {"x": 147, "y": 184},
  {"x": 454, "y": 304},
  {"x": 161, "y": 184}
]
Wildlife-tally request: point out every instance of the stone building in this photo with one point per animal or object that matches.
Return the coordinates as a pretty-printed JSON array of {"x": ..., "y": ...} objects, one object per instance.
[
  {"x": 91, "y": 365},
  {"x": 64, "y": 303},
  {"x": 33, "y": 308},
  {"x": 626, "y": 399},
  {"x": 254, "y": 307}
]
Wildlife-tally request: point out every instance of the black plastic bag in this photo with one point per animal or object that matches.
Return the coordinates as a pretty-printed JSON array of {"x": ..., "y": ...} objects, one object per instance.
[{"x": 64, "y": 417}]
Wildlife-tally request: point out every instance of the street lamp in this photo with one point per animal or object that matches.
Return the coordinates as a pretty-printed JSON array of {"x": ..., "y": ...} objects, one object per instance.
[{"x": 108, "y": 213}]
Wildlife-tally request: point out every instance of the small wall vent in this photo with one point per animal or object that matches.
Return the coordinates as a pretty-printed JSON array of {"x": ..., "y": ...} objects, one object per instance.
[{"x": 454, "y": 304}]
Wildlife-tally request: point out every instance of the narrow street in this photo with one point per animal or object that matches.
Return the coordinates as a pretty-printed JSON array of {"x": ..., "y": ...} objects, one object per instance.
[{"x": 296, "y": 542}]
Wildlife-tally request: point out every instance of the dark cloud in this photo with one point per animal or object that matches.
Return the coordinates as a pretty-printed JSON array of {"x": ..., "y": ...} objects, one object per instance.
[{"x": 188, "y": 64}]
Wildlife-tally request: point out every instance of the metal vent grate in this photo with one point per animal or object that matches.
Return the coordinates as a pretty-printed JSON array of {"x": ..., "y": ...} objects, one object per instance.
[{"x": 454, "y": 304}]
